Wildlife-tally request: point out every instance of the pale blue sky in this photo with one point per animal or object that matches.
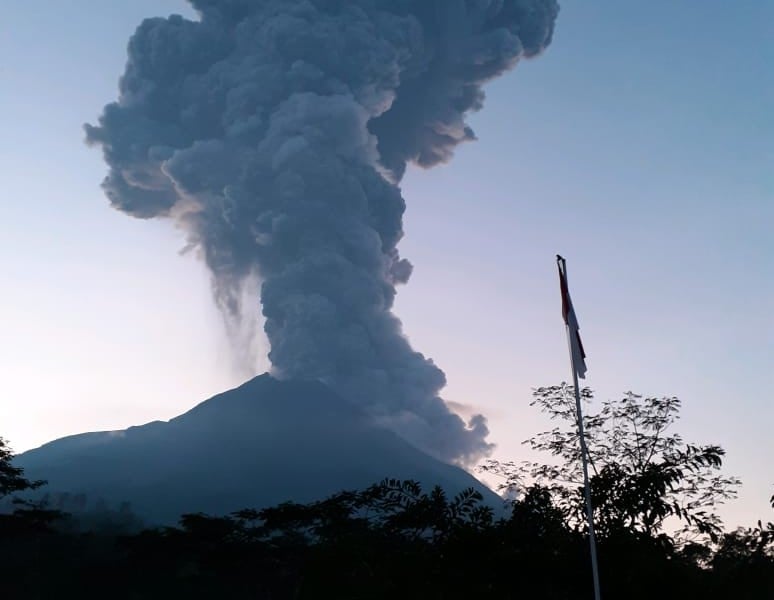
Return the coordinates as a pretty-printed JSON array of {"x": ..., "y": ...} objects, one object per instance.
[{"x": 640, "y": 146}]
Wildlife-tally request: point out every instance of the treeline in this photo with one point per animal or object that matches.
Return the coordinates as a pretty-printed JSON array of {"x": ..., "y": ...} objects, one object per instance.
[
  {"x": 390, "y": 541},
  {"x": 654, "y": 498}
]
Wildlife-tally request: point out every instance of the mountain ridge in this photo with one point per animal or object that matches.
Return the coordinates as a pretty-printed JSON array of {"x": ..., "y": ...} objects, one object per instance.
[{"x": 259, "y": 444}]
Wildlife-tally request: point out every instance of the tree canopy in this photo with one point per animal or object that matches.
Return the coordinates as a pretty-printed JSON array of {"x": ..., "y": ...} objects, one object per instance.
[
  {"x": 396, "y": 540},
  {"x": 642, "y": 473}
]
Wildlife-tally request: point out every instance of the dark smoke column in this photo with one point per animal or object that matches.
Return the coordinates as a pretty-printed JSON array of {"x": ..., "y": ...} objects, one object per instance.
[{"x": 275, "y": 132}]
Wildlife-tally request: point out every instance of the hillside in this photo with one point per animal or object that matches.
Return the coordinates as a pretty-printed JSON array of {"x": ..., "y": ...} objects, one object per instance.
[{"x": 262, "y": 443}]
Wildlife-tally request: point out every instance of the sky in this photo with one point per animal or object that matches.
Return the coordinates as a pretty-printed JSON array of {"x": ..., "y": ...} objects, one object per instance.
[{"x": 640, "y": 146}]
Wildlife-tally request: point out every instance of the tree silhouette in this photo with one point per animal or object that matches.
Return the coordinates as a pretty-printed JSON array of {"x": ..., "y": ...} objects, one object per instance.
[
  {"x": 641, "y": 472},
  {"x": 12, "y": 480}
]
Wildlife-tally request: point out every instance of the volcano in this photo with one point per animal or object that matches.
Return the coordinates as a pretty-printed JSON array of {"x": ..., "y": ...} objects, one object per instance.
[{"x": 262, "y": 443}]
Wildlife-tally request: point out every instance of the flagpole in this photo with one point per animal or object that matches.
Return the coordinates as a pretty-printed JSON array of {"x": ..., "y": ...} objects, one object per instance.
[
  {"x": 584, "y": 449},
  {"x": 586, "y": 486}
]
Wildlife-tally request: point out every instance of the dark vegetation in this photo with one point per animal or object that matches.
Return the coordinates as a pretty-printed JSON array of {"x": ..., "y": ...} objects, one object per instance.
[{"x": 654, "y": 497}]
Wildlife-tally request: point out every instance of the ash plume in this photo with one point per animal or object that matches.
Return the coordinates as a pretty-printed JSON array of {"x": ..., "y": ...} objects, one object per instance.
[{"x": 275, "y": 133}]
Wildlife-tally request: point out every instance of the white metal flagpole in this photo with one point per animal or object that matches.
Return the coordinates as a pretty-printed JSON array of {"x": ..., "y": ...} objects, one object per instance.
[{"x": 577, "y": 356}]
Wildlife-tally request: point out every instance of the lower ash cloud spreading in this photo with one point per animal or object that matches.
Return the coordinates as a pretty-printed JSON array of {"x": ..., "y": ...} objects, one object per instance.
[{"x": 275, "y": 132}]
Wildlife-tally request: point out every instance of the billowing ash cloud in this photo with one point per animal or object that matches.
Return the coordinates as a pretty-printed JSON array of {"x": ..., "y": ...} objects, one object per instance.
[{"x": 275, "y": 133}]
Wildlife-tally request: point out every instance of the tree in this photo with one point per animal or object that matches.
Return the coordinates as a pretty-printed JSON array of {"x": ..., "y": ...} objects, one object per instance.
[
  {"x": 642, "y": 473},
  {"x": 27, "y": 515},
  {"x": 743, "y": 564},
  {"x": 12, "y": 480},
  {"x": 372, "y": 543}
]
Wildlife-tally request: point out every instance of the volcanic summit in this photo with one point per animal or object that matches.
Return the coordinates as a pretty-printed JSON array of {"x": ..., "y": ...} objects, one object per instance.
[{"x": 265, "y": 442}]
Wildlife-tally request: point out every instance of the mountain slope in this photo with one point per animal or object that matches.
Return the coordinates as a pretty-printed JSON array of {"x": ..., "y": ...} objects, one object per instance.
[{"x": 262, "y": 443}]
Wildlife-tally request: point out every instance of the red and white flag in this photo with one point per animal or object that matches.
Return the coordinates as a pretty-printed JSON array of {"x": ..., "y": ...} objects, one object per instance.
[{"x": 568, "y": 312}]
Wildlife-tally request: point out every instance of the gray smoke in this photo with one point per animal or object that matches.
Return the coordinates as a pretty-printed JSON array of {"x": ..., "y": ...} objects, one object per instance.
[{"x": 275, "y": 132}]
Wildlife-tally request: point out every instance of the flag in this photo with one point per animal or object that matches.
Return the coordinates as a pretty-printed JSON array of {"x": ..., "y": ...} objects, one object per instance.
[{"x": 568, "y": 312}]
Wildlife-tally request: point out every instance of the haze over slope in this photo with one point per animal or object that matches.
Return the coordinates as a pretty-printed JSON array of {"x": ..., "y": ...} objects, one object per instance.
[{"x": 265, "y": 442}]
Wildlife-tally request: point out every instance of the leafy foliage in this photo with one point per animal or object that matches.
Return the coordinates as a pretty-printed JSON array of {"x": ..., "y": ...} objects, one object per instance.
[
  {"x": 26, "y": 517},
  {"x": 389, "y": 540},
  {"x": 641, "y": 473},
  {"x": 12, "y": 480},
  {"x": 395, "y": 540},
  {"x": 746, "y": 555}
]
